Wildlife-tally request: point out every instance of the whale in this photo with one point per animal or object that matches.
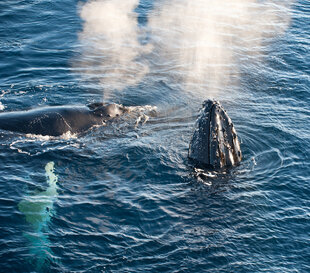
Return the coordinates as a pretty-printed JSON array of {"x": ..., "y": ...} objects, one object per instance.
[
  {"x": 214, "y": 143},
  {"x": 58, "y": 120}
]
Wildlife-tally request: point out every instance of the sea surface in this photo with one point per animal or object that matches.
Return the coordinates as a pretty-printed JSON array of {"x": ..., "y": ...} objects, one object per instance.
[{"x": 124, "y": 198}]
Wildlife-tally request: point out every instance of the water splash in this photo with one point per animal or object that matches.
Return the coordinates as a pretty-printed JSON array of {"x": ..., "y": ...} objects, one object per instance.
[{"x": 38, "y": 209}]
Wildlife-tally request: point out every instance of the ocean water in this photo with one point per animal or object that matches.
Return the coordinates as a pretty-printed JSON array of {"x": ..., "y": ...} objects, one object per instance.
[{"x": 123, "y": 198}]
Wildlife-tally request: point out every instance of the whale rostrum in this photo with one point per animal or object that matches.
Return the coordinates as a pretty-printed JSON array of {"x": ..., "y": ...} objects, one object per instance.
[{"x": 215, "y": 142}]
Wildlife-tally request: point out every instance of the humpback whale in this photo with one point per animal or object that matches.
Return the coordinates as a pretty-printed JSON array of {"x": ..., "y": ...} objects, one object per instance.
[
  {"x": 214, "y": 142},
  {"x": 57, "y": 120}
]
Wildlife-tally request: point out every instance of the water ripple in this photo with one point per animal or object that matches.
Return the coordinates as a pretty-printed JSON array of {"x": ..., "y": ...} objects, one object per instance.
[{"x": 127, "y": 200}]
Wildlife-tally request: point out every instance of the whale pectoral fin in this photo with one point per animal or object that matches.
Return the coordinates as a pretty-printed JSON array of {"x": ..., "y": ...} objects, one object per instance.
[
  {"x": 52, "y": 178},
  {"x": 34, "y": 209},
  {"x": 37, "y": 207}
]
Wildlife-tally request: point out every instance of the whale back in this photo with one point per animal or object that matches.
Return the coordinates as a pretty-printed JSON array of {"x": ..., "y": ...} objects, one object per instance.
[
  {"x": 52, "y": 121},
  {"x": 57, "y": 120}
]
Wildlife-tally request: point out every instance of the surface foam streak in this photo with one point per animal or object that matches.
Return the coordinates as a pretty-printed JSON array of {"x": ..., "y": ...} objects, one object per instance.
[
  {"x": 20, "y": 144},
  {"x": 66, "y": 136},
  {"x": 205, "y": 41}
]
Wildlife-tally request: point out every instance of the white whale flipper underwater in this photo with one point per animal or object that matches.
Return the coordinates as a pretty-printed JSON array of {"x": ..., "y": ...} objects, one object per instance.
[{"x": 38, "y": 210}]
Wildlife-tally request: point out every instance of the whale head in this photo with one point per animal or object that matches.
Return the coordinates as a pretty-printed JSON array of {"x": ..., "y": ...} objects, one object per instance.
[
  {"x": 215, "y": 142},
  {"x": 107, "y": 111}
]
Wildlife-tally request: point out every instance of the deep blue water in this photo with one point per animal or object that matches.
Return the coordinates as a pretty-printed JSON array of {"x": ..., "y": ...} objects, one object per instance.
[{"x": 126, "y": 199}]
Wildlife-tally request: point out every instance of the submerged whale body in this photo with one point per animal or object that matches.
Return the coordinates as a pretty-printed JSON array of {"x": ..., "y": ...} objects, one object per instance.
[
  {"x": 57, "y": 120},
  {"x": 215, "y": 142}
]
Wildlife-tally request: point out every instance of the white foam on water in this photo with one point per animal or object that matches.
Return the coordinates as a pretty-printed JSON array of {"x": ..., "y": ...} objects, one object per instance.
[
  {"x": 141, "y": 113},
  {"x": 42, "y": 143},
  {"x": 65, "y": 136}
]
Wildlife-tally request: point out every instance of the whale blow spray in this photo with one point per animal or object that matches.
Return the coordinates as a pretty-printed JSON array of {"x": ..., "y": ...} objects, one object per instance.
[
  {"x": 111, "y": 49},
  {"x": 199, "y": 44},
  {"x": 205, "y": 42}
]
